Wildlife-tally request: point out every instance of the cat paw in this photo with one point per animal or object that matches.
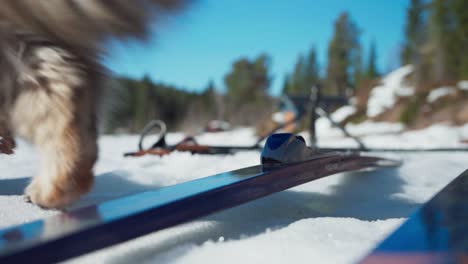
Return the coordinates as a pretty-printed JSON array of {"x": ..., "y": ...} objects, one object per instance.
[
  {"x": 47, "y": 196},
  {"x": 7, "y": 145}
]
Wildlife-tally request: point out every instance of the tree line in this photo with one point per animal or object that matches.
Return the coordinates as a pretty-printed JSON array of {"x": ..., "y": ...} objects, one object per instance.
[{"x": 137, "y": 101}]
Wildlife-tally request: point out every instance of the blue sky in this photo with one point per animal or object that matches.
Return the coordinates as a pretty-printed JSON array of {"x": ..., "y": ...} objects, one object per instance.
[{"x": 200, "y": 45}]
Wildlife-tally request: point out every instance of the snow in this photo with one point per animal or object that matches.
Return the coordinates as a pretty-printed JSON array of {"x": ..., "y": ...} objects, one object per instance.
[
  {"x": 346, "y": 213},
  {"x": 463, "y": 85},
  {"x": 343, "y": 112},
  {"x": 384, "y": 96},
  {"x": 279, "y": 117},
  {"x": 328, "y": 236},
  {"x": 440, "y": 92},
  {"x": 326, "y": 132}
]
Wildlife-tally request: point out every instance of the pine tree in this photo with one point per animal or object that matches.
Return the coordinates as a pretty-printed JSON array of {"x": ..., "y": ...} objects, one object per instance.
[
  {"x": 311, "y": 71},
  {"x": 297, "y": 79},
  {"x": 287, "y": 85},
  {"x": 460, "y": 12},
  {"x": 247, "y": 83},
  {"x": 262, "y": 78},
  {"x": 208, "y": 100},
  {"x": 239, "y": 82},
  {"x": 414, "y": 32},
  {"x": 142, "y": 91},
  {"x": 442, "y": 38},
  {"x": 247, "y": 90},
  {"x": 357, "y": 68},
  {"x": 343, "y": 52},
  {"x": 304, "y": 75},
  {"x": 371, "y": 71}
]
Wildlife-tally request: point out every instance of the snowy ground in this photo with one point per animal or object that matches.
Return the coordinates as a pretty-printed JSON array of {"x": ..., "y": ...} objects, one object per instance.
[{"x": 332, "y": 220}]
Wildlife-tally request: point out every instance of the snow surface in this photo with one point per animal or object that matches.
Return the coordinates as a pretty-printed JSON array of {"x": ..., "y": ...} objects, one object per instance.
[
  {"x": 440, "y": 92},
  {"x": 463, "y": 85},
  {"x": 346, "y": 213},
  {"x": 343, "y": 112},
  {"x": 384, "y": 96},
  {"x": 362, "y": 129}
]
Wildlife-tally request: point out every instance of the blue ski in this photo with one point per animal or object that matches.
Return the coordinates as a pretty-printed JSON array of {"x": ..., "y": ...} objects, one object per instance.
[{"x": 436, "y": 233}]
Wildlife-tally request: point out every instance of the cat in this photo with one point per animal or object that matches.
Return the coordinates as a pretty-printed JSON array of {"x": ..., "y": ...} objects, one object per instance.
[{"x": 51, "y": 81}]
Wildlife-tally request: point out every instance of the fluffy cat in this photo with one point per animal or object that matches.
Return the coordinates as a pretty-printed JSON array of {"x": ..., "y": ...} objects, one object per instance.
[{"x": 51, "y": 81}]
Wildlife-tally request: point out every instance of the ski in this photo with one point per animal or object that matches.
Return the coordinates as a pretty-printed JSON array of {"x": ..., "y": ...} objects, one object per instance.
[
  {"x": 285, "y": 164},
  {"x": 436, "y": 233}
]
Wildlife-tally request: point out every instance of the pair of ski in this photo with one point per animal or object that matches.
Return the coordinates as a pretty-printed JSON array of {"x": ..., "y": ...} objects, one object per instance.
[
  {"x": 286, "y": 163},
  {"x": 190, "y": 144}
]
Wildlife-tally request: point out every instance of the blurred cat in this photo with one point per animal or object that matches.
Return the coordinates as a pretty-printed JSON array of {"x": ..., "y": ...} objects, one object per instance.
[{"x": 51, "y": 81}]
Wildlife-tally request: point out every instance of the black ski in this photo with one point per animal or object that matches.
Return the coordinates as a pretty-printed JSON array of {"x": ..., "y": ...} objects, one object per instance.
[
  {"x": 436, "y": 233},
  {"x": 85, "y": 230}
]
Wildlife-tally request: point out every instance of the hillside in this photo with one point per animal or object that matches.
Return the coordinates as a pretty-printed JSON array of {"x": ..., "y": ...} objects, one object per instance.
[{"x": 393, "y": 98}]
